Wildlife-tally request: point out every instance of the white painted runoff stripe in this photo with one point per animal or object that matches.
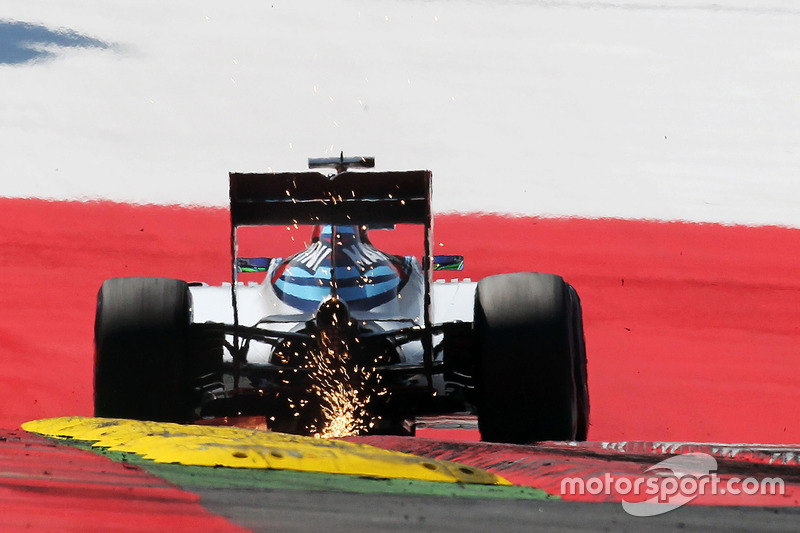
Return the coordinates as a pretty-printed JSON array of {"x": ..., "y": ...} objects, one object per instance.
[{"x": 629, "y": 108}]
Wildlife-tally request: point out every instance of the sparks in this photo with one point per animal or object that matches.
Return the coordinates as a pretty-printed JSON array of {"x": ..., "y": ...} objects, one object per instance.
[{"x": 344, "y": 390}]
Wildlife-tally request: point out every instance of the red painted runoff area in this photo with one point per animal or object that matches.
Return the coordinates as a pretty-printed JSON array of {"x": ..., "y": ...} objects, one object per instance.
[{"x": 692, "y": 330}]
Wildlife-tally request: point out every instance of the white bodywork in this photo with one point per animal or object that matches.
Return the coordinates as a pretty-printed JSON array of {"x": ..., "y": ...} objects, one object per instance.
[{"x": 451, "y": 302}]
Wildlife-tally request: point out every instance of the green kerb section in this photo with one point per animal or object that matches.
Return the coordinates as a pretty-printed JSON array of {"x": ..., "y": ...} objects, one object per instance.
[{"x": 189, "y": 477}]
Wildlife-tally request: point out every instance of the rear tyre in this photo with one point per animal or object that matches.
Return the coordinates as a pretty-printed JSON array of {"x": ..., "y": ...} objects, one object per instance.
[
  {"x": 141, "y": 338},
  {"x": 579, "y": 362},
  {"x": 525, "y": 344}
]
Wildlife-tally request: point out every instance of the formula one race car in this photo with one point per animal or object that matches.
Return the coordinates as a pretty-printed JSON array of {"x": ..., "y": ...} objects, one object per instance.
[{"x": 341, "y": 337}]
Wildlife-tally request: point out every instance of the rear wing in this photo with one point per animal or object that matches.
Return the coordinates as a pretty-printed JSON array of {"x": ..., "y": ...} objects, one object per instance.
[{"x": 345, "y": 198}]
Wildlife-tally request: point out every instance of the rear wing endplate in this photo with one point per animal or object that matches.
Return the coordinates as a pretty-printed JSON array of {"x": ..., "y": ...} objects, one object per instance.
[{"x": 345, "y": 198}]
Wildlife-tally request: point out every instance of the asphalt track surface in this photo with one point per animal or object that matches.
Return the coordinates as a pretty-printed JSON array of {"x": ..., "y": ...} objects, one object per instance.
[
  {"x": 691, "y": 331},
  {"x": 269, "y": 511}
]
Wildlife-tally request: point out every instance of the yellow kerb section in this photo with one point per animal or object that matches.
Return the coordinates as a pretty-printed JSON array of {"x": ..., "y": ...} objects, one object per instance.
[{"x": 246, "y": 448}]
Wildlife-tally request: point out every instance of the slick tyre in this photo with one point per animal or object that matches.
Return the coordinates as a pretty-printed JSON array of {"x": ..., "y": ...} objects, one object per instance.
[
  {"x": 580, "y": 370},
  {"x": 141, "y": 337},
  {"x": 525, "y": 358}
]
